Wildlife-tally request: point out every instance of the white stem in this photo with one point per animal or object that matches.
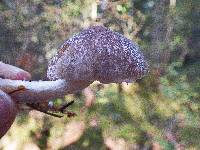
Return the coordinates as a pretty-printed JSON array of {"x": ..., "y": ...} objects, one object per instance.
[{"x": 39, "y": 91}]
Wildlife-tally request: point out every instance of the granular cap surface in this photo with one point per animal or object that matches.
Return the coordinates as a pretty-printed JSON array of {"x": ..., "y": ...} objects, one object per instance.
[{"x": 98, "y": 53}]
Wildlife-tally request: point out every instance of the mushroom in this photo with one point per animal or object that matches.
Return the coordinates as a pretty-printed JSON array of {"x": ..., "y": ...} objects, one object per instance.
[{"x": 97, "y": 53}]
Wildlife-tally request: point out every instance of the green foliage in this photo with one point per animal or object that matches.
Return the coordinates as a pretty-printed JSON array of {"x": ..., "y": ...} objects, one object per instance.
[
  {"x": 167, "y": 99},
  {"x": 123, "y": 8},
  {"x": 176, "y": 86},
  {"x": 71, "y": 8},
  {"x": 2, "y": 7}
]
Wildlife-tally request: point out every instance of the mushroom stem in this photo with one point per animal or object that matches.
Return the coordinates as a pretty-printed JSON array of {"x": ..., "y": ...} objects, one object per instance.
[{"x": 39, "y": 91}]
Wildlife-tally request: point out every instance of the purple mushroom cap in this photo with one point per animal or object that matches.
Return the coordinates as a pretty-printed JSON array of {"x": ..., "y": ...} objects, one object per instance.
[{"x": 98, "y": 53}]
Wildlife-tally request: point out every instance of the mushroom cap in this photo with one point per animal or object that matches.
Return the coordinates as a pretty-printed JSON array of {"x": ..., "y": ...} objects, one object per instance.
[
  {"x": 97, "y": 53},
  {"x": 8, "y": 112}
]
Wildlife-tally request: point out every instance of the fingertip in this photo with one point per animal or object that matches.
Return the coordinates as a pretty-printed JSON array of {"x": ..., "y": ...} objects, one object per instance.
[{"x": 23, "y": 75}]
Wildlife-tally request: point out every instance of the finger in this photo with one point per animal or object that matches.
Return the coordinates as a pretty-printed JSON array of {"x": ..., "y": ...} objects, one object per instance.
[
  {"x": 8, "y": 112},
  {"x": 11, "y": 72}
]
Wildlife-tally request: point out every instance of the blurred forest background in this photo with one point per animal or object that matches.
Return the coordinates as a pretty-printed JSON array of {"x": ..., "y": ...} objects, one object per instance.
[{"x": 160, "y": 111}]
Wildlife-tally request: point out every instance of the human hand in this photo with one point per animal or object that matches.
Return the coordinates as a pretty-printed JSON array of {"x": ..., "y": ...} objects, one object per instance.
[{"x": 8, "y": 108}]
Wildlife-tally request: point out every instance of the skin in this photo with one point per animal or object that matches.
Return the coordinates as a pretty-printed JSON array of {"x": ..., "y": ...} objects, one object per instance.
[
  {"x": 11, "y": 72},
  {"x": 8, "y": 108},
  {"x": 8, "y": 112}
]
